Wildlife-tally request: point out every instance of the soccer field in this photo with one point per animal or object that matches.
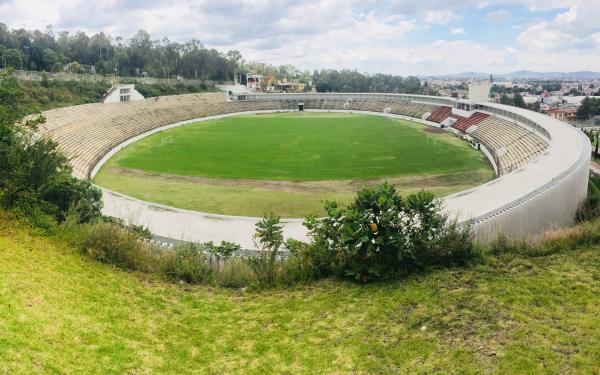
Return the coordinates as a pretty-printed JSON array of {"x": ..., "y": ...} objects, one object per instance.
[{"x": 290, "y": 162}]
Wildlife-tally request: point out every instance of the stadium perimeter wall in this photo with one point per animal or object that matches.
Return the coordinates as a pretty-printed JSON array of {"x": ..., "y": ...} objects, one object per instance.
[{"x": 544, "y": 194}]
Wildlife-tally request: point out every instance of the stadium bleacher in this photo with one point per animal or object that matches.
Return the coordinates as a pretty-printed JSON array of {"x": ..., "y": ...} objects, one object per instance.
[
  {"x": 86, "y": 133},
  {"x": 521, "y": 144}
]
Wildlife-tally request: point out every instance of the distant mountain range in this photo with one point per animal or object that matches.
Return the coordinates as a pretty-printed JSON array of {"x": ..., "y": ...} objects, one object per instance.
[{"x": 523, "y": 74}]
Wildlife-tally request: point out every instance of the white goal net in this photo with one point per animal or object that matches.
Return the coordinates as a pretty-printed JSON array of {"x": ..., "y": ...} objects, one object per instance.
[{"x": 166, "y": 141}]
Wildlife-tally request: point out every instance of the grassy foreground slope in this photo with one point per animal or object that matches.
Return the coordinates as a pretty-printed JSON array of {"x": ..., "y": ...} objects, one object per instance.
[{"x": 60, "y": 312}]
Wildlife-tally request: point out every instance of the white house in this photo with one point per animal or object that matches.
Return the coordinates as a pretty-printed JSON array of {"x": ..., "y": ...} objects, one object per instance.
[{"x": 122, "y": 93}]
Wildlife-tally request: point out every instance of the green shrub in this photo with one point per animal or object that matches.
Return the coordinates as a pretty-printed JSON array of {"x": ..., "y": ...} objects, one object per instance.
[
  {"x": 112, "y": 242},
  {"x": 141, "y": 231},
  {"x": 187, "y": 262},
  {"x": 590, "y": 209},
  {"x": 236, "y": 273},
  {"x": 26, "y": 206},
  {"x": 66, "y": 193},
  {"x": 269, "y": 237},
  {"x": 153, "y": 90},
  {"x": 35, "y": 177},
  {"x": 381, "y": 235},
  {"x": 56, "y": 93},
  {"x": 222, "y": 252},
  {"x": 554, "y": 241},
  {"x": 502, "y": 244},
  {"x": 109, "y": 243},
  {"x": 304, "y": 263},
  {"x": 452, "y": 247}
]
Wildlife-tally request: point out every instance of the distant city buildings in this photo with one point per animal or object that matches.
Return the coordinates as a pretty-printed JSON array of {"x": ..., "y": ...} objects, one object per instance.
[{"x": 558, "y": 99}]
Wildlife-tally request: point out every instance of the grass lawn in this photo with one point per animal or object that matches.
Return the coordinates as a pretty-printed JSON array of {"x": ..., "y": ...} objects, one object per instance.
[
  {"x": 300, "y": 148},
  {"x": 221, "y": 199},
  {"x": 251, "y": 201},
  {"x": 63, "y": 313}
]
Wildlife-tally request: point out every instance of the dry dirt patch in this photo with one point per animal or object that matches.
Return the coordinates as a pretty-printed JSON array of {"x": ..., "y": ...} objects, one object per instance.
[{"x": 333, "y": 186}]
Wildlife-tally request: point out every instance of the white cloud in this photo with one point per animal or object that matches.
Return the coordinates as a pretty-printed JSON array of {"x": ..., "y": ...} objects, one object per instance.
[
  {"x": 439, "y": 17},
  {"x": 576, "y": 29},
  {"x": 391, "y": 36},
  {"x": 498, "y": 16}
]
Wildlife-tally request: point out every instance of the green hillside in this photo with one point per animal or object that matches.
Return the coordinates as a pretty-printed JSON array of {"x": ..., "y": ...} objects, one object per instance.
[{"x": 63, "y": 313}]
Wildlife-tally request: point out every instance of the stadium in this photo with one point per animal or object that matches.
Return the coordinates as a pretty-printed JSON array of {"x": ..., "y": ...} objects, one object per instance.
[
  {"x": 309, "y": 187},
  {"x": 540, "y": 165}
]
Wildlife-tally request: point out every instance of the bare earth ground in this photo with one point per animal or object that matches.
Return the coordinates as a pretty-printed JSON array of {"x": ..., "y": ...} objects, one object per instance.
[{"x": 333, "y": 186}]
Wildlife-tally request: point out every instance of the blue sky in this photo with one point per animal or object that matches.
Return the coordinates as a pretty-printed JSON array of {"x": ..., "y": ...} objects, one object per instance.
[{"x": 391, "y": 36}]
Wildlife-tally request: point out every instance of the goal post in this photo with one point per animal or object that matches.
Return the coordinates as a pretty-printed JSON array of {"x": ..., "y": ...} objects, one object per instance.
[
  {"x": 166, "y": 140},
  {"x": 433, "y": 141}
]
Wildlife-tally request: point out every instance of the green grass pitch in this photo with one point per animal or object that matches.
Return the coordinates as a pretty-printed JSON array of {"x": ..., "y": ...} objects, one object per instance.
[
  {"x": 298, "y": 147},
  {"x": 237, "y": 165}
]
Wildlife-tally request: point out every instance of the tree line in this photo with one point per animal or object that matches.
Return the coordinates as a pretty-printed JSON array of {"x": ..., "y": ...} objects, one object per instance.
[
  {"x": 140, "y": 54},
  {"x": 353, "y": 81},
  {"x": 35, "y": 177},
  {"x": 589, "y": 107},
  {"x": 102, "y": 54}
]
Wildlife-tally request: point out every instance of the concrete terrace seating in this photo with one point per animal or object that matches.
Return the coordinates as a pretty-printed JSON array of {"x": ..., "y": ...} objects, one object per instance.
[
  {"x": 87, "y": 132},
  {"x": 403, "y": 108},
  {"x": 521, "y": 144}
]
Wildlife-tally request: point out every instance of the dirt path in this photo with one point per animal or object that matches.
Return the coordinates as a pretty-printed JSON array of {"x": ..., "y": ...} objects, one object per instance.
[{"x": 338, "y": 186}]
